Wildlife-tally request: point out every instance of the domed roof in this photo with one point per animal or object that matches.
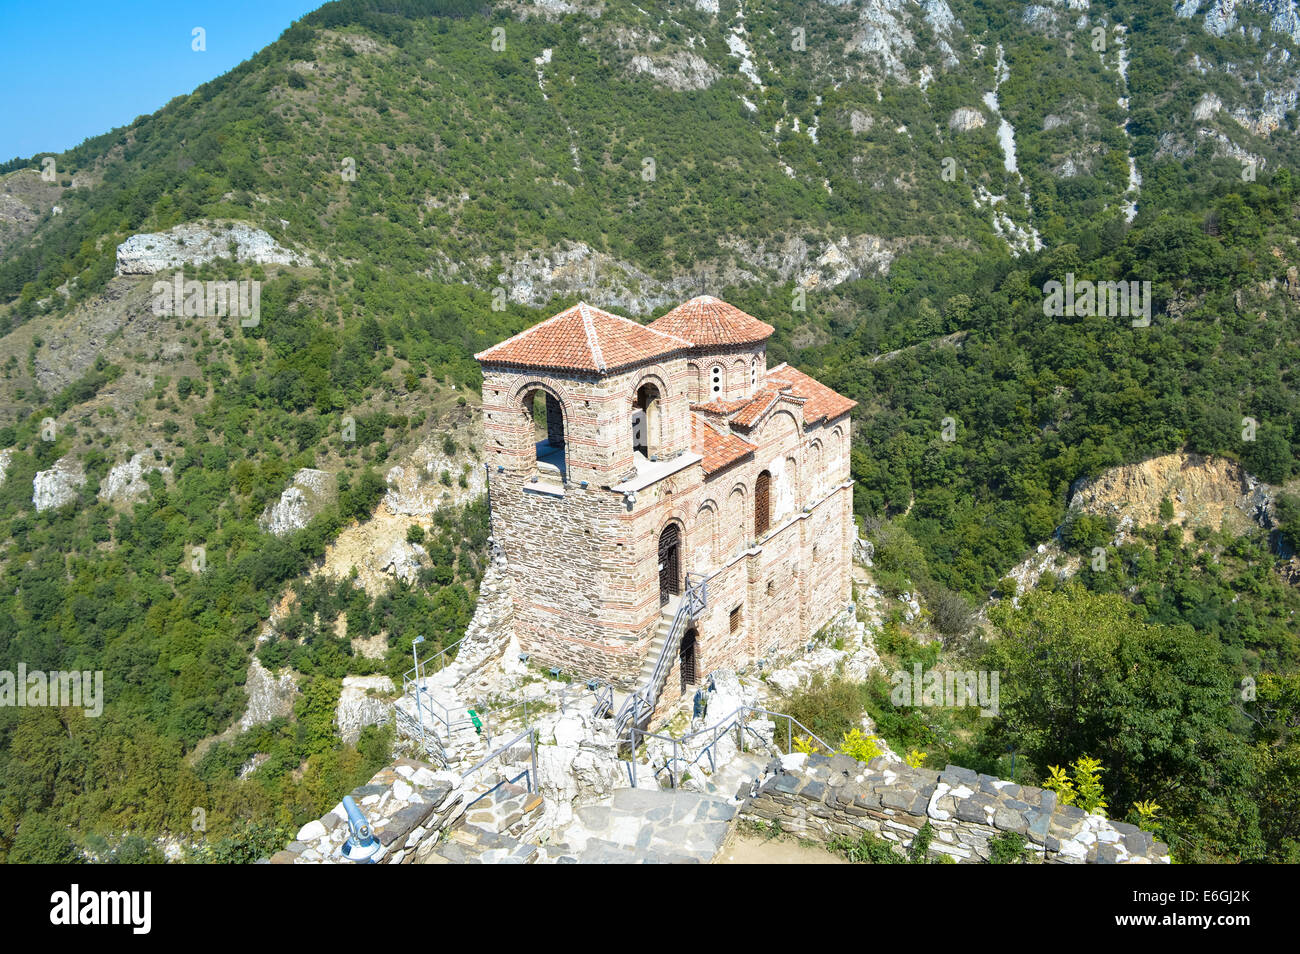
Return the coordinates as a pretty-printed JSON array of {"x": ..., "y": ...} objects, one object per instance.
[{"x": 709, "y": 322}]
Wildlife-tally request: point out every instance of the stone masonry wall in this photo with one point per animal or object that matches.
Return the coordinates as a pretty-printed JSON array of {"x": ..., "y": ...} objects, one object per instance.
[
  {"x": 408, "y": 805},
  {"x": 807, "y": 591},
  {"x": 583, "y": 560},
  {"x": 831, "y": 797}
]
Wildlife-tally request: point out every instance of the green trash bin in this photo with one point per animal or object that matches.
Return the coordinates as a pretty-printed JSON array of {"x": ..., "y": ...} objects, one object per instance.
[{"x": 478, "y": 723}]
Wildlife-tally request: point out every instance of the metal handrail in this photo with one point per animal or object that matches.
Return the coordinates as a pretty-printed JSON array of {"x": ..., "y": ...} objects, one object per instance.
[
  {"x": 604, "y": 701},
  {"x": 413, "y": 674},
  {"x": 736, "y": 719},
  {"x": 790, "y": 723},
  {"x": 427, "y": 699},
  {"x": 429, "y": 742},
  {"x": 641, "y": 702},
  {"x": 531, "y": 734},
  {"x": 504, "y": 781}
]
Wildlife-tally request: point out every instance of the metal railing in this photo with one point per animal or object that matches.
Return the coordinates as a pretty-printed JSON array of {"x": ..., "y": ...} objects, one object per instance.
[
  {"x": 640, "y": 704},
  {"x": 530, "y": 773},
  {"x": 429, "y": 742},
  {"x": 604, "y": 700},
  {"x": 421, "y": 670},
  {"x": 738, "y": 721}
]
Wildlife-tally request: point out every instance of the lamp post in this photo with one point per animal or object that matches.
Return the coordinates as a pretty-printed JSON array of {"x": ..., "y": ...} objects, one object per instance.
[{"x": 415, "y": 651}]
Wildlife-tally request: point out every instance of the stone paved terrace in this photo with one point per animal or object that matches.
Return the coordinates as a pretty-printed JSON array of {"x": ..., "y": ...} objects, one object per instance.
[{"x": 647, "y": 826}]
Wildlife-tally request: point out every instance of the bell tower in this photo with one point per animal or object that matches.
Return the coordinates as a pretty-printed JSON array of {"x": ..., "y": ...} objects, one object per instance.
[{"x": 573, "y": 409}]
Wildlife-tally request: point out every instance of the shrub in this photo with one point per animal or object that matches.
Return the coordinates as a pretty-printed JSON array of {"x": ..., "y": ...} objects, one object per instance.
[{"x": 1007, "y": 848}]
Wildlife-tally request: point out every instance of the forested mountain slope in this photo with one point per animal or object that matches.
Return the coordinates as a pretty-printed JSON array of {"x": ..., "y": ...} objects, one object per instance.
[{"x": 868, "y": 176}]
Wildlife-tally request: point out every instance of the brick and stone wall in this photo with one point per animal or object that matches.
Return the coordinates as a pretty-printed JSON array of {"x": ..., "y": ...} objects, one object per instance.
[
  {"x": 583, "y": 561},
  {"x": 838, "y": 797},
  {"x": 744, "y": 369}
]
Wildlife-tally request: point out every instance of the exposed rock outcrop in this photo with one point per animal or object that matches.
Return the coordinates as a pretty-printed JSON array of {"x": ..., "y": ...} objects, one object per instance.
[
  {"x": 198, "y": 243},
  {"x": 966, "y": 118},
  {"x": 403, "y": 560},
  {"x": 416, "y": 488},
  {"x": 58, "y": 486},
  {"x": 309, "y": 494},
  {"x": 679, "y": 71},
  {"x": 125, "y": 483},
  {"x": 847, "y": 260},
  {"x": 1205, "y": 492},
  {"x": 574, "y": 269},
  {"x": 363, "y": 702},
  {"x": 269, "y": 696}
]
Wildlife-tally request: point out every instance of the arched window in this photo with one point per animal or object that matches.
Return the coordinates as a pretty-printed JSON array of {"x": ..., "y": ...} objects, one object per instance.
[
  {"x": 548, "y": 433},
  {"x": 715, "y": 375},
  {"x": 703, "y": 544},
  {"x": 762, "y": 504},
  {"x": 753, "y": 373},
  {"x": 645, "y": 420}
]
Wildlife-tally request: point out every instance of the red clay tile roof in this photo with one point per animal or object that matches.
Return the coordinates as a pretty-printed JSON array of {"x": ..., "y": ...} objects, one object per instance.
[
  {"x": 720, "y": 407},
  {"x": 822, "y": 402},
  {"x": 748, "y": 415},
  {"x": 583, "y": 338},
  {"x": 718, "y": 450},
  {"x": 707, "y": 321}
]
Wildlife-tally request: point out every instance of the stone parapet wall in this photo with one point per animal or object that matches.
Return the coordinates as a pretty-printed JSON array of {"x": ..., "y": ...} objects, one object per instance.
[
  {"x": 408, "y": 805},
  {"x": 825, "y": 798}
]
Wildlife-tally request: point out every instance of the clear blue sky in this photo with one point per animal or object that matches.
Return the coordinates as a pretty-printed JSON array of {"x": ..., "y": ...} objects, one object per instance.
[{"x": 73, "y": 70}]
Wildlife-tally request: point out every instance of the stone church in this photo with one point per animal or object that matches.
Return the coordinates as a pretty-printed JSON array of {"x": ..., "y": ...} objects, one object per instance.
[{"x": 667, "y": 503}]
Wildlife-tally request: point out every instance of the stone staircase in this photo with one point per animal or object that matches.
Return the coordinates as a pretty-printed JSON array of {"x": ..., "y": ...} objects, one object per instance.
[
  {"x": 735, "y": 779},
  {"x": 656, "y": 647},
  {"x": 657, "y": 642},
  {"x": 455, "y": 748},
  {"x": 500, "y": 828}
]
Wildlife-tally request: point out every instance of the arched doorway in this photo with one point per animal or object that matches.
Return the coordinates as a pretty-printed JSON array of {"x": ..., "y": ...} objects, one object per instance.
[
  {"x": 669, "y": 563},
  {"x": 686, "y": 659}
]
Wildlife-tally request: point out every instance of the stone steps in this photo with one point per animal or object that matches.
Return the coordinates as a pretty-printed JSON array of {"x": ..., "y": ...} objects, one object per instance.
[
  {"x": 656, "y": 647},
  {"x": 497, "y": 829},
  {"x": 509, "y": 809},
  {"x": 735, "y": 779}
]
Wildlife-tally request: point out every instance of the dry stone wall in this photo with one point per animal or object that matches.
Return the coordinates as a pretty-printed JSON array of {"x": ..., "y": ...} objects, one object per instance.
[
  {"x": 824, "y": 798},
  {"x": 408, "y": 806}
]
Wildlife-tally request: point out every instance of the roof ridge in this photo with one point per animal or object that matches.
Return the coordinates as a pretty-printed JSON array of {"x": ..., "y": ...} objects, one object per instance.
[{"x": 593, "y": 342}]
